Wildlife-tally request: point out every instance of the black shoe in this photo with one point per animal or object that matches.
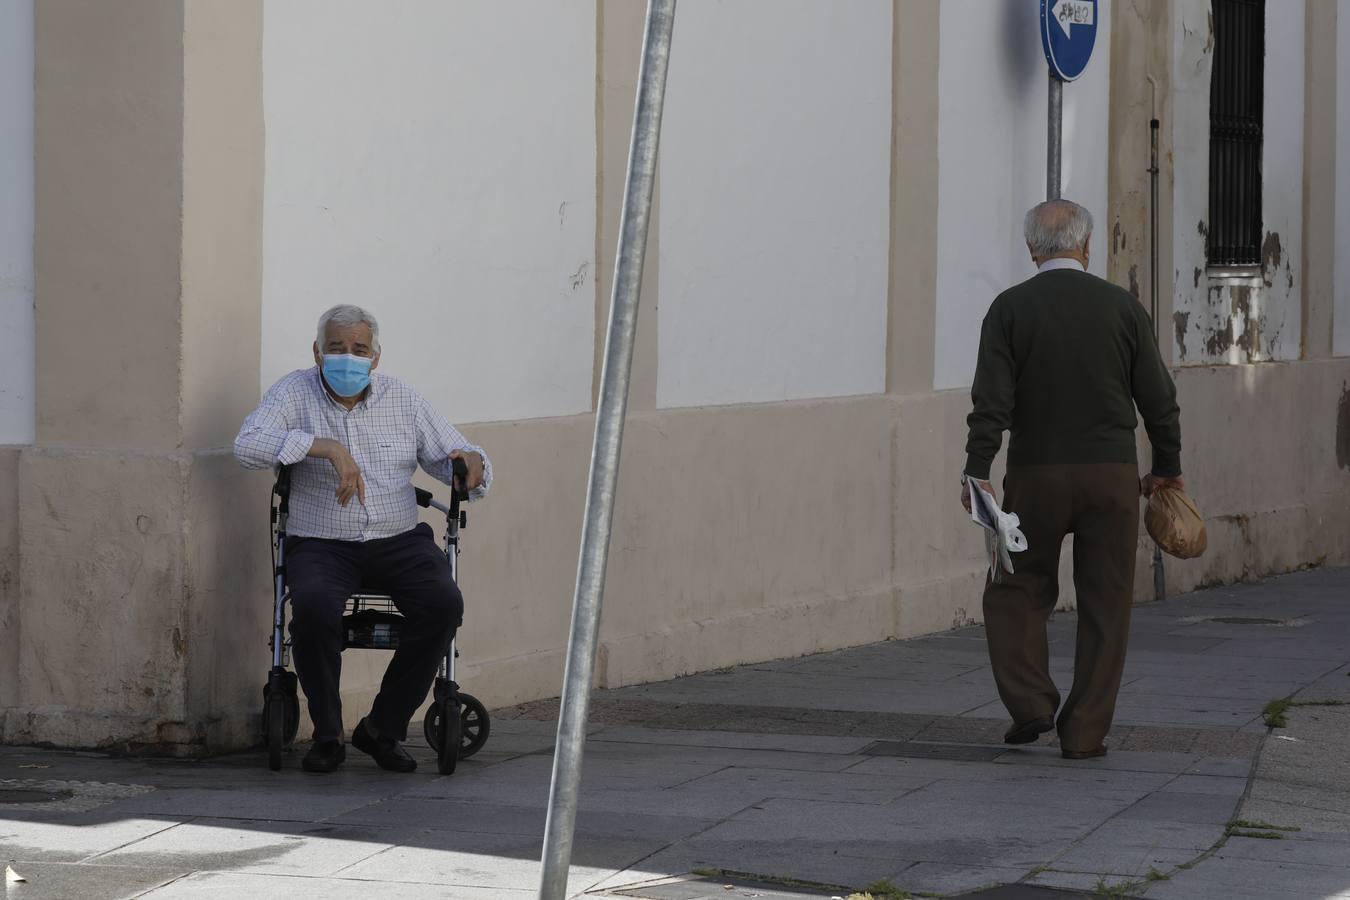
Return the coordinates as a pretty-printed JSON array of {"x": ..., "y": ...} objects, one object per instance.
[
  {"x": 386, "y": 753},
  {"x": 324, "y": 756},
  {"x": 1028, "y": 732},
  {"x": 1084, "y": 754}
]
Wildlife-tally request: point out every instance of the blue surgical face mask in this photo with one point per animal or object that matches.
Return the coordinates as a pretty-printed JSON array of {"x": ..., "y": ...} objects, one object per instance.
[{"x": 347, "y": 375}]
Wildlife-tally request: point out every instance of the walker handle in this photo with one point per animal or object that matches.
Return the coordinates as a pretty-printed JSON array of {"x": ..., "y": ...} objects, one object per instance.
[{"x": 461, "y": 473}]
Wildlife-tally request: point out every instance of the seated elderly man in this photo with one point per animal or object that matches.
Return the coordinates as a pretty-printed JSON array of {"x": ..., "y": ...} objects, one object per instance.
[{"x": 355, "y": 438}]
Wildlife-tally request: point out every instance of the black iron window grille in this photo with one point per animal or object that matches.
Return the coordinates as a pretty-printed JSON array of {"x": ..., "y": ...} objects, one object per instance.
[{"x": 1236, "y": 97}]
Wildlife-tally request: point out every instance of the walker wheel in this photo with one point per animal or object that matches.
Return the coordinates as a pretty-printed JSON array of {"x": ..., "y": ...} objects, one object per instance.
[
  {"x": 281, "y": 714},
  {"x": 474, "y": 725},
  {"x": 450, "y": 734},
  {"x": 274, "y": 727}
]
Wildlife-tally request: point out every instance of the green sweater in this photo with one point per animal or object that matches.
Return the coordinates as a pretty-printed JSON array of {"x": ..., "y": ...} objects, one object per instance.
[{"x": 1064, "y": 359}]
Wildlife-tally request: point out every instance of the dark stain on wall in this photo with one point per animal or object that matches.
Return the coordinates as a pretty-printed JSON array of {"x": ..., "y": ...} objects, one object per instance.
[
  {"x": 1249, "y": 341},
  {"x": 1343, "y": 429},
  {"x": 1272, "y": 254},
  {"x": 1272, "y": 340},
  {"x": 1134, "y": 281},
  {"x": 1220, "y": 339},
  {"x": 1181, "y": 321}
]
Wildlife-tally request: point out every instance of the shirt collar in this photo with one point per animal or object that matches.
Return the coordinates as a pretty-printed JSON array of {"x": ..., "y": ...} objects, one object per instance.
[{"x": 1061, "y": 262}]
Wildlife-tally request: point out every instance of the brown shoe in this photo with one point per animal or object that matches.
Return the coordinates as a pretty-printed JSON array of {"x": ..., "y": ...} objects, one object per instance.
[
  {"x": 1084, "y": 754},
  {"x": 1028, "y": 732}
]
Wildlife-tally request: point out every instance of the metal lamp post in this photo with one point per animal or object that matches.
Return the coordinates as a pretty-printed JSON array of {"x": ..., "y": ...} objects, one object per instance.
[{"x": 604, "y": 473}]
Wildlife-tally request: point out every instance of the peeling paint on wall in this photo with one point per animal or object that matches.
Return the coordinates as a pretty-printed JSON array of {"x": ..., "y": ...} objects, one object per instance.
[
  {"x": 1271, "y": 253},
  {"x": 1180, "y": 320},
  {"x": 1219, "y": 337},
  {"x": 1249, "y": 341}
]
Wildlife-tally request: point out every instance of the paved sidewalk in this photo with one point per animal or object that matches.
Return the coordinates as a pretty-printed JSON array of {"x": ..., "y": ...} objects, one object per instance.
[{"x": 796, "y": 779}]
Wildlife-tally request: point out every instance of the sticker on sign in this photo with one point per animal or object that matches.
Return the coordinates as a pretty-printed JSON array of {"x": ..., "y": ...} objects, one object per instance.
[{"x": 1074, "y": 12}]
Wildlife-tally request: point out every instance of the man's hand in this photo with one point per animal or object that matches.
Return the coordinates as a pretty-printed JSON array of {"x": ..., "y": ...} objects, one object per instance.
[
  {"x": 474, "y": 462},
  {"x": 1151, "y": 483},
  {"x": 965, "y": 491},
  {"x": 350, "y": 482}
]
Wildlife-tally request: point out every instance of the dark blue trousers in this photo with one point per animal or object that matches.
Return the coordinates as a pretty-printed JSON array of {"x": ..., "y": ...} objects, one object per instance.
[{"x": 412, "y": 569}]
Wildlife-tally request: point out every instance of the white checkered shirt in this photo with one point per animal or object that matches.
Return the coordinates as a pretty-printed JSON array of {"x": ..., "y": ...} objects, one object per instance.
[{"x": 388, "y": 433}]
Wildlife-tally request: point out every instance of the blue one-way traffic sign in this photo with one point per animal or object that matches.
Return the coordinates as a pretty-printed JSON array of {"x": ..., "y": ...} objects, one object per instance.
[{"x": 1068, "y": 32}]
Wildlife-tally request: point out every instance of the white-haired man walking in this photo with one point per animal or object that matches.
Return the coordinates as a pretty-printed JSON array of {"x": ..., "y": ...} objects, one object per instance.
[
  {"x": 355, "y": 438},
  {"x": 1064, "y": 360}
]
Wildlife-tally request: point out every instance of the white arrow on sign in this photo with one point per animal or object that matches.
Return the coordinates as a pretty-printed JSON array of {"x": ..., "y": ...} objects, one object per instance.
[{"x": 1072, "y": 12}]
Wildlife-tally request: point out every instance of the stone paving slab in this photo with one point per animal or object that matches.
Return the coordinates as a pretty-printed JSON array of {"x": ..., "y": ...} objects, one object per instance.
[
  {"x": 264, "y": 803},
  {"x": 1220, "y": 785},
  {"x": 793, "y": 861},
  {"x": 70, "y": 839},
  {"x": 256, "y": 846},
  {"x": 68, "y": 881},
  {"x": 719, "y": 888},
  {"x": 1299, "y": 799},
  {"x": 501, "y": 861},
  {"x": 948, "y": 878},
  {"x": 1181, "y": 807},
  {"x": 1254, "y": 880},
  {"x": 748, "y": 786},
  {"x": 478, "y": 817},
  {"x": 951, "y": 833},
  {"x": 983, "y": 725},
  {"x": 733, "y": 740},
  {"x": 1086, "y": 883},
  {"x": 232, "y": 886}
]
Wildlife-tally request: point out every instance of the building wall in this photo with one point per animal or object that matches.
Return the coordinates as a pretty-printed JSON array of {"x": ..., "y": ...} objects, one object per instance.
[
  {"x": 992, "y": 98},
  {"x": 16, "y": 311},
  {"x": 1341, "y": 323},
  {"x": 435, "y": 162},
  {"x": 774, "y": 220},
  {"x": 1255, "y": 315},
  {"x": 16, "y": 222}
]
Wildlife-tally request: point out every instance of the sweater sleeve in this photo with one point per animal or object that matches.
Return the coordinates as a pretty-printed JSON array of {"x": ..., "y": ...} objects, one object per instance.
[
  {"x": 991, "y": 395},
  {"x": 1156, "y": 397}
]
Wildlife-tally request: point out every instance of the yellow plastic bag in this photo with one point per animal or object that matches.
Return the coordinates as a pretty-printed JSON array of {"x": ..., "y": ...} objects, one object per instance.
[{"x": 1175, "y": 523}]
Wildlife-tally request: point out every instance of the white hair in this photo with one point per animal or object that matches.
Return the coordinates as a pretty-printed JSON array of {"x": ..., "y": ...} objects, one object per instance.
[
  {"x": 347, "y": 315},
  {"x": 1055, "y": 227}
]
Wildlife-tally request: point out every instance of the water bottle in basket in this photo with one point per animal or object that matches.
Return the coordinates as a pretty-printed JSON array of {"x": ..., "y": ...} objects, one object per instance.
[{"x": 372, "y": 629}]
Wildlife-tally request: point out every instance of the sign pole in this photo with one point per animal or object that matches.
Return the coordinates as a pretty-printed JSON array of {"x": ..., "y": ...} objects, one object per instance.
[
  {"x": 604, "y": 475},
  {"x": 1159, "y": 573},
  {"x": 1054, "y": 138},
  {"x": 1068, "y": 34}
]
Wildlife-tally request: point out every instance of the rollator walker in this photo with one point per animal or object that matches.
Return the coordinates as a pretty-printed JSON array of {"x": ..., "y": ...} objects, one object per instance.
[{"x": 456, "y": 725}]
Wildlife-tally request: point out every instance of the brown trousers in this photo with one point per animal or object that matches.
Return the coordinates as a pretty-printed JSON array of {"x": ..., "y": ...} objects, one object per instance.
[{"x": 1099, "y": 506}]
